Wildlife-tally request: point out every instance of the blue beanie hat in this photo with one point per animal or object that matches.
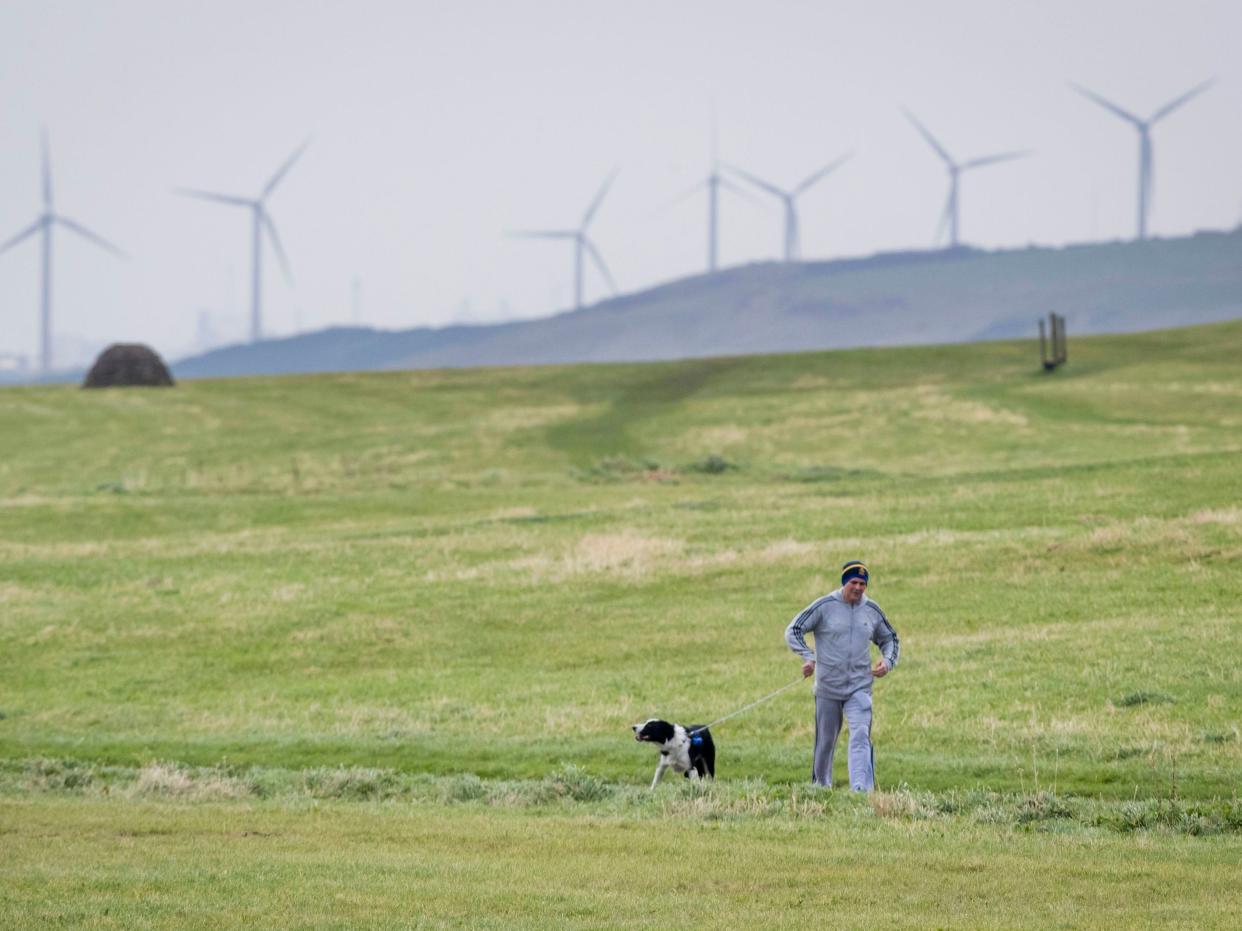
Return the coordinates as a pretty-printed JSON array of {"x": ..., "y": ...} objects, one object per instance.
[{"x": 854, "y": 570}]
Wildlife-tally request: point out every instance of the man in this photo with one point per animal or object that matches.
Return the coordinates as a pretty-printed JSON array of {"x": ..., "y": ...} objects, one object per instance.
[{"x": 844, "y": 623}]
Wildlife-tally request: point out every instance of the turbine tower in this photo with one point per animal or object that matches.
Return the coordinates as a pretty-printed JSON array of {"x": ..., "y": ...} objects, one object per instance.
[
  {"x": 950, "y": 215},
  {"x": 582, "y": 243},
  {"x": 793, "y": 247},
  {"x": 44, "y": 225},
  {"x": 1145, "y": 149},
  {"x": 713, "y": 183},
  {"x": 261, "y": 222}
]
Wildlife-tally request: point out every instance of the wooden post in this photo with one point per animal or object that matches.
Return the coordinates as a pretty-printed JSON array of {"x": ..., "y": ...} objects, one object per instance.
[{"x": 1052, "y": 343}]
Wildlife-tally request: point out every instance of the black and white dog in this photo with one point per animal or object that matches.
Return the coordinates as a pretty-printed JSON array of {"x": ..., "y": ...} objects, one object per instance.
[{"x": 687, "y": 750}]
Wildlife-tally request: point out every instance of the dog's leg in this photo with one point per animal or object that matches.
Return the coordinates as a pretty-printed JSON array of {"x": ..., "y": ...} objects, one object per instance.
[{"x": 659, "y": 773}]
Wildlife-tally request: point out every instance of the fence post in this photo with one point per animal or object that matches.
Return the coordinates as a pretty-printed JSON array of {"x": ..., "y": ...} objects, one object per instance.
[{"x": 1052, "y": 344}]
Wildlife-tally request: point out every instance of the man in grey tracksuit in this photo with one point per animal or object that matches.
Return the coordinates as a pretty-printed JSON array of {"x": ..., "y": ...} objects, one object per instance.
[{"x": 844, "y": 623}]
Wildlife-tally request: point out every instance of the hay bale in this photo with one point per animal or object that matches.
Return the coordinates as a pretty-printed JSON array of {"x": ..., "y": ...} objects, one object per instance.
[{"x": 123, "y": 364}]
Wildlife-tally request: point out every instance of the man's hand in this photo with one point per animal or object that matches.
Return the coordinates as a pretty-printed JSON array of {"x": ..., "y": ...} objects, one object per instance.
[
  {"x": 808, "y": 668},
  {"x": 880, "y": 669}
]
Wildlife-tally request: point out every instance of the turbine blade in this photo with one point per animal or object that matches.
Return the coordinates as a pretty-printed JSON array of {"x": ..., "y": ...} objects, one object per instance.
[
  {"x": 683, "y": 196},
  {"x": 822, "y": 173},
  {"x": 93, "y": 237},
  {"x": 599, "y": 262},
  {"x": 24, "y": 234},
  {"x": 218, "y": 198},
  {"x": 1107, "y": 105},
  {"x": 586, "y": 218},
  {"x": 47, "y": 173},
  {"x": 931, "y": 140},
  {"x": 284, "y": 169},
  {"x": 992, "y": 159},
  {"x": 757, "y": 181},
  {"x": 737, "y": 189},
  {"x": 270, "y": 227},
  {"x": 1185, "y": 98}
]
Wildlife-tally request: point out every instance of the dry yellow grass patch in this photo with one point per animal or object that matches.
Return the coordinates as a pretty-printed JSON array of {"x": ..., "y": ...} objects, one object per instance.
[
  {"x": 1227, "y": 517},
  {"x": 509, "y": 419},
  {"x": 627, "y": 553},
  {"x": 719, "y": 437},
  {"x": 12, "y": 594},
  {"x": 167, "y": 780},
  {"x": 634, "y": 555},
  {"x": 30, "y": 501},
  {"x": 937, "y": 405}
]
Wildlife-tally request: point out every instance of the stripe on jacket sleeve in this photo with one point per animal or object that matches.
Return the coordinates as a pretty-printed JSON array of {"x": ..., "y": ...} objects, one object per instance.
[
  {"x": 896, "y": 643},
  {"x": 795, "y": 633}
]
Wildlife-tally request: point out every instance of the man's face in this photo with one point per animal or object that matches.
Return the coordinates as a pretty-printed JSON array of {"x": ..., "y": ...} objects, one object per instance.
[{"x": 853, "y": 592}]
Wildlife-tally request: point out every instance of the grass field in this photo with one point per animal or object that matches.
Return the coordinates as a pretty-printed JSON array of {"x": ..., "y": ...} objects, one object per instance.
[{"x": 362, "y": 650}]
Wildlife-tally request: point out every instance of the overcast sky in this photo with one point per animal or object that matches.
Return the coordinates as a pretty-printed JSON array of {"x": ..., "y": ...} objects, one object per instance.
[{"x": 437, "y": 126}]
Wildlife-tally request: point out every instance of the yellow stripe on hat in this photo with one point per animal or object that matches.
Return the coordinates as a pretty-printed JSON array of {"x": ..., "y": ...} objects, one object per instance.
[{"x": 855, "y": 565}]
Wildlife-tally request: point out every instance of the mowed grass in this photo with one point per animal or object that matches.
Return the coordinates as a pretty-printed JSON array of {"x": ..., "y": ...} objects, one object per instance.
[
  {"x": 492, "y": 573},
  {"x": 151, "y": 865}
]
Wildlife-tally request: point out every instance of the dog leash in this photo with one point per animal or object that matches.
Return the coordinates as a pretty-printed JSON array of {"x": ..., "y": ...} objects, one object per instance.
[{"x": 768, "y": 697}]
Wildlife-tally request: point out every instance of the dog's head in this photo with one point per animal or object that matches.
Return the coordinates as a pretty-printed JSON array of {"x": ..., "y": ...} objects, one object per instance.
[{"x": 653, "y": 730}]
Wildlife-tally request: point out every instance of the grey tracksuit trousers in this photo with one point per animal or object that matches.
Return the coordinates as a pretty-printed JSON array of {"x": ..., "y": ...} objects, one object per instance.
[{"x": 857, "y": 712}]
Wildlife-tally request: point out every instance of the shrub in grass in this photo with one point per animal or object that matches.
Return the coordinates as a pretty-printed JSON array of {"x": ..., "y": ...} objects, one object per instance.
[
  {"x": 619, "y": 468},
  {"x": 352, "y": 783},
  {"x": 965, "y": 801},
  {"x": 711, "y": 465},
  {"x": 58, "y": 775},
  {"x": 465, "y": 787},
  {"x": 1143, "y": 697},
  {"x": 573, "y": 783},
  {"x": 903, "y": 803},
  {"x": 1042, "y": 806}
]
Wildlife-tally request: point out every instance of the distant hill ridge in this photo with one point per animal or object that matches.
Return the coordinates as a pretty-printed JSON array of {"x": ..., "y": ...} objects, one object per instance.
[{"x": 900, "y": 298}]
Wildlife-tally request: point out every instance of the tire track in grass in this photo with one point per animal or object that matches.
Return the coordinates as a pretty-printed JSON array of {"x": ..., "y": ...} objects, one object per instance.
[{"x": 650, "y": 393}]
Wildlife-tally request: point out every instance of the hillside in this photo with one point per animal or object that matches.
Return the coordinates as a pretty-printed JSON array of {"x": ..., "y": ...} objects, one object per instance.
[
  {"x": 363, "y": 650},
  {"x": 886, "y": 300},
  {"x": 323, "y": 540}
]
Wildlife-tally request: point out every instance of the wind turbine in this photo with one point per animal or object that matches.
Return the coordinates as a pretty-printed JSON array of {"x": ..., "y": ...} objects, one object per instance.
[
  {"x": 950, "y": 215},
  {"x": 582, "y": 244},
  {"x": 262, "y": 221},
  {"x": 1145, "y": 150},
  {"x": 44, "y": 225},
  {"x": 713, "y": 183},
  {"x": 789, "y": 199}
]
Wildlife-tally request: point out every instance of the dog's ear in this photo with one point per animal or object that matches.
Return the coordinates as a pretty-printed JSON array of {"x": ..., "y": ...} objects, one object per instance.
[{"x": 659, "y": 731}]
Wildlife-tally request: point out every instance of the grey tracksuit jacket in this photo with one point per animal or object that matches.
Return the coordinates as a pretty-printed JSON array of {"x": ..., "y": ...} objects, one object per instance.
[{"x": 843, "y": 635}]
